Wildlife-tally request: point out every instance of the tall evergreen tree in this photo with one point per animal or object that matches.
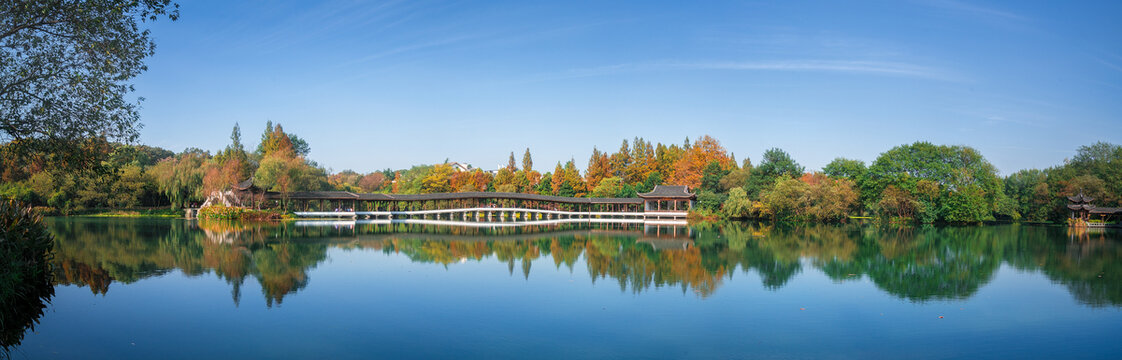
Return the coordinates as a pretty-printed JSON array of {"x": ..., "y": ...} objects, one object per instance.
[{"x": 527, "y": 162}]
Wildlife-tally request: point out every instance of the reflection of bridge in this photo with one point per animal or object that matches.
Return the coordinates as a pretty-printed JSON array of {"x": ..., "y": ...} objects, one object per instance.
[
  {"x": 661, "y": 204},
  {"x": 663, "y": 235}
]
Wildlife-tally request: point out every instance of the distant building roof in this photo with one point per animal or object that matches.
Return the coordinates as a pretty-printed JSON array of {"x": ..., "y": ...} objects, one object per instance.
[
  {"x": 669, "y": 192},
  {"x": 458, "y": 167}
]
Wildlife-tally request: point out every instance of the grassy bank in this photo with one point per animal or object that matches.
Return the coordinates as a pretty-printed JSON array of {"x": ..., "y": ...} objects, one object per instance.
[{"x": 165, "y": 212}]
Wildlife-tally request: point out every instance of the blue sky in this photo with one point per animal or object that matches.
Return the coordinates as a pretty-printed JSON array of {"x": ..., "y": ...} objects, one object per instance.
[{"x": 374, "y": 85}]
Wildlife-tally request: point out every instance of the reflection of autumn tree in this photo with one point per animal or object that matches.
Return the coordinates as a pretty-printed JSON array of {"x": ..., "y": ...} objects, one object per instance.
[
  {"x": 565, "y": 251},
  {"x": 740, "y": 245},
  {"x": 282, "y": 267},
  {"x": 641, "y": 267},
  {"x": 69, "y": 272},
  {"x": 633, "y": 265},
  {"x": 916, "y": 264},
  {"x": 93, "y": 252}
]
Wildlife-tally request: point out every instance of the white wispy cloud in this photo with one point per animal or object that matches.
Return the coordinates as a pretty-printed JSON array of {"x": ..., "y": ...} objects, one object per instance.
[
  {"x": 999, "y": 18},
  {"x": 883, "y": 68},
  {"x": 1108, "y": 63},
  {"x": 975, "y": 10},
  {"x": 411, "y": 48}
]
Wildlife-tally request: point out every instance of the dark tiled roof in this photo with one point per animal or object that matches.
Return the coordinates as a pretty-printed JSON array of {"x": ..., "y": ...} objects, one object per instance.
[
  {"x": 1106, "y": 210},
  {"x": 244, "y": 185},
  {"x": 343, "y": 195},
  {"x": 1077, "y": 207},
  {"x": 1079, "y": 199},
  {"x": 669, "y": 191},
  {"x": 318, "y": 195}
]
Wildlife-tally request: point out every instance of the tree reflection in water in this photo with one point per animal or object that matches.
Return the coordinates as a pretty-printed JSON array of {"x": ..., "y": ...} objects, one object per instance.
[{"x": 915, "y": 264}]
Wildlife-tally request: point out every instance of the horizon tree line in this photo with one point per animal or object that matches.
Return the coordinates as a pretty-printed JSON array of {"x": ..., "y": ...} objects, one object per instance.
[{"x": 920, "y": 182}]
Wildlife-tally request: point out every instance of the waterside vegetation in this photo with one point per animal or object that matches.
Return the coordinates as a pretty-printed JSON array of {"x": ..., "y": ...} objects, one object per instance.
[
  {"x": 911, "y": 183},
  {"x": 26, "y": 279},
  {"x": 914, "y": 183}
]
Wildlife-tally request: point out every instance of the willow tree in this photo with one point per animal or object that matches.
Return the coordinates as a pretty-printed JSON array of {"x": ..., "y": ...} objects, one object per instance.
[{"x": 66, "y": 67}]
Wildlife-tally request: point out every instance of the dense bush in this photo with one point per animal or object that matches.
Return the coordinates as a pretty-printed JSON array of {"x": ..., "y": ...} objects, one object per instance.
[
  {"x": 237, "y": 213},
  {"x": 25, "y": 270}
]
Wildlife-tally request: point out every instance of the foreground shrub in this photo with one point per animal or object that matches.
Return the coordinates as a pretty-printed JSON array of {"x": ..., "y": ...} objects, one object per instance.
[{"x": 25, "y": 270}]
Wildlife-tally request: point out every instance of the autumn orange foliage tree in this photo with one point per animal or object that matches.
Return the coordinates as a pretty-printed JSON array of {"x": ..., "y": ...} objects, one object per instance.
[{"x": 688, "y": 169}]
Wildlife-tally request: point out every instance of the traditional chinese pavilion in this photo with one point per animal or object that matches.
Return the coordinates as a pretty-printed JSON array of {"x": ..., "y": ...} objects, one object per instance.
[
  {"x": 1081, "y": 208},
  {"x": 668, "y": 198}
]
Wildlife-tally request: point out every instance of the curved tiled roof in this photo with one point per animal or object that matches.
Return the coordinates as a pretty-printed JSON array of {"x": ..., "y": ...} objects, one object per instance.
[
  {"x": 1080, "y": 199},
  {"x": 1106, "y": 210},
  {"x": 669, "y": 191},
  {"x": 346, "y": 195},
  {"x": 244, "y": 185},
  {"x": 1077, "y": 207}
]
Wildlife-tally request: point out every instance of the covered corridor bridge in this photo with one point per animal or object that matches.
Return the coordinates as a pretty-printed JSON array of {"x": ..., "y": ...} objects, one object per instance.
[{"x": 664, "y": 202}]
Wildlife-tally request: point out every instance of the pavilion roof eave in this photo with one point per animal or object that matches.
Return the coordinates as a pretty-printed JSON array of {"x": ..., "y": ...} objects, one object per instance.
[
  {"x": 1105, "y": 211},
  {"x": 669, "y": 192}
]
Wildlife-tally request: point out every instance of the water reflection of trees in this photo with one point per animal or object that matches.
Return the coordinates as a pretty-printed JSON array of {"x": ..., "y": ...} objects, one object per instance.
[
  {"x": 917, "y": 264},
  {"x": 95, "y": 253},
  {"x": 922, "y": 264}
]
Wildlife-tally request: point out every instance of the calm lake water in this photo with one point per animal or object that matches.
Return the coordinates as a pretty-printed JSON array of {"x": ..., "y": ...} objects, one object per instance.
[{"x": 146, "y": 289}]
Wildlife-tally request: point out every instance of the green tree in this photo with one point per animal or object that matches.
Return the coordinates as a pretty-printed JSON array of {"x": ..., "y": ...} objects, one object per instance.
[
  {"x": 845, "y": 168},
  {"x": 737, "y": 206},
  {"x": 1104, "y": 161},
  {"x": 1029, "y": 190},
  {"x": 608, "y": 187},
  {"x": 653, "y": 179},
  {"x": 736, "y": 178},
  {"x": 527, "y": 161},
  {"x": 711, "y": 177},
  {"x": 65, "y": 68},
  {"x": 775, "y": 163},
  {"x": 959, "y": 171},
  {"x": 788, "y": 199},
  {"x": 180, "y": 178},
  {"x": 621, "y": 160},
  {"x": 437, "y": 180}
]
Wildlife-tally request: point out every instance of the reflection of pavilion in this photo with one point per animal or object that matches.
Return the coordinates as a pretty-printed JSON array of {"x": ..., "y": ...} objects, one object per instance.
[
  {"x": 667, "y": 236},
  {"x": 661, "y": 244}
]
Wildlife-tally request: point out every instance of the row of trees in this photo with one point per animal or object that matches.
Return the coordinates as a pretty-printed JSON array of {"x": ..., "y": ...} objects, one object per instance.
[
  {"x": 920, "y": 182},
  {"x": 925, "y": 183},
  {"x": 131, "y": 176}
]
